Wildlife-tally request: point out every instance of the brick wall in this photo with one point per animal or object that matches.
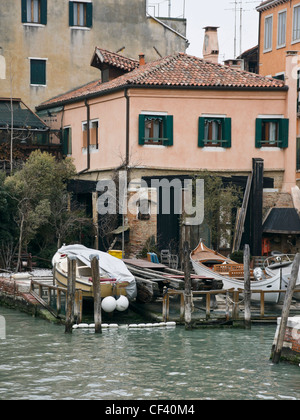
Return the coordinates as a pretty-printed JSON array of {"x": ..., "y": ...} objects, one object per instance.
[{"x": 141, "y": 227}]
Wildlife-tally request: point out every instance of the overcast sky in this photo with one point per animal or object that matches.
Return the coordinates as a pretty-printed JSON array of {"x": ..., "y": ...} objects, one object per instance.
[{"x": 200, "y": 13}]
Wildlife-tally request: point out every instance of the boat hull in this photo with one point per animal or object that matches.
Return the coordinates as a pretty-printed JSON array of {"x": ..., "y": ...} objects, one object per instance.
[
  {"x": 107, "y": 288},
  {"x": 231, "y": 283}
]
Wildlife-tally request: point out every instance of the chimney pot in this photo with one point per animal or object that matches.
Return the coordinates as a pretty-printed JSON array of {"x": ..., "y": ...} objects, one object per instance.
[{"x": 142, "y": 59}]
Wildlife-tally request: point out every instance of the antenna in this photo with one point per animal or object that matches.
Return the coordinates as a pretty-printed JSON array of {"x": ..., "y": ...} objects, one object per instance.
[{"x": 237, "y": 9}]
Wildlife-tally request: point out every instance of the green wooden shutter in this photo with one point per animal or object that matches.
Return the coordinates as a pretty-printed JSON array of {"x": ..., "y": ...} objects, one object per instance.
[
  {"x": 44, "y": 12},
  {"x": 89, "y": 15},
  {"x": 71, "y": 13},
  {"x": 65, "y": 141},
  {"x": 284, "y": 133},
  {"x": 201, "y": 128},
  {"x": 258, "y": 132},
  {"x": 226, "y": 132},
  {"x": 169, "y": 130},
  {"x": 24, "y": 11},
  {"x": 141, "y": 130}
]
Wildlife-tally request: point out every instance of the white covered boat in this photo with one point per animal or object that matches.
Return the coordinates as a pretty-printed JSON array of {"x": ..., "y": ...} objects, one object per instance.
[
  {"x": 207, "y": 262},
  {"x": 115, "y": 278},
  {"x": 282, "y": 263}
]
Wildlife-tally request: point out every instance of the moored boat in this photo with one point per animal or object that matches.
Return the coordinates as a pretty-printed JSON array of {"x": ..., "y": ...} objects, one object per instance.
[
  {"x": 207, "y": 262},
  {"x": 115, "y": 278},
  {"x": 282, "y": 264}
]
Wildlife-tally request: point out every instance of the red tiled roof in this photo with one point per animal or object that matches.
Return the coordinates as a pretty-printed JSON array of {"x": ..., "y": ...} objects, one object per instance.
[
  {"x": 115, "y": 60},
  {"x": 178, "y": 70},
  {"x": 269, "y": 3}
]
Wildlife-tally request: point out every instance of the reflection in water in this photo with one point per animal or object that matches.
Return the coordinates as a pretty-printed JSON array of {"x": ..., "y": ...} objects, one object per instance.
[{"x": 38, "y": 361}]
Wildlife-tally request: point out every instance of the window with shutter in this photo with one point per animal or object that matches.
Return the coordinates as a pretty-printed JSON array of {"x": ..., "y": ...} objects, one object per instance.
[
  {"x": 214, "y": 131},
  {"x": 34, "y": 11},
  {"x": 272, "y": 132},
  {"x": 81, "y": 14},
  {"x": 156, "y": 130},
  {"x": 38, "y": 72},
  {"x": 67, "y": 141}
]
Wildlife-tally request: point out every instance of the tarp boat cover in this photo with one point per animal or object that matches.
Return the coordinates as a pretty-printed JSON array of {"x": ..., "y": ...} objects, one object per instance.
[{"x": 108, "y": 265}]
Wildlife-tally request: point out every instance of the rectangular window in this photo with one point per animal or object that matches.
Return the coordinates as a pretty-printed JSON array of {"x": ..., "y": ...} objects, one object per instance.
[
  {"x": 268, "y": 33},
  {"x": 37, "y": 72},
  {"x": 296, "y": 24},
  {"x": 81, "y": 14},
  {"x": 281, "y": 32},
  {"x": 94, "y": 135},
  {"x": 272, "y": 132},
  {"x": 156, "y": 129},
  {"x": 214, "y": 131},
  {"x": 34, "y": 11},
  {"x": 298, "y": 154},
  {"x": 67, "y": 141}
]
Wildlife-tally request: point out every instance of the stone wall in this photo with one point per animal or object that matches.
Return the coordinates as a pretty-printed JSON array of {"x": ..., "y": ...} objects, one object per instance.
[{"x": 291, "y": 345}]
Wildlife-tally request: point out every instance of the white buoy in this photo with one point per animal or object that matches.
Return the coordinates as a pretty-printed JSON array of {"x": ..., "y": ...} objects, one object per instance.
[
  {"x": 122, "y": 303},
  {"x": 83, "y": 325},
  {"x": 171, "y": 324},
  {"x": 113, "y": 326},
  {"x": 109, "y": 304},
  {"x": 133, "y": 326},
  {"x": 104, "y": 325}
]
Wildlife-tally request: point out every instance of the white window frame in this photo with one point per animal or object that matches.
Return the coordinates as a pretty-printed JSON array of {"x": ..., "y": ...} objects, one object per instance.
[
  {"x": 268, "y": 48},
  {"x": 93, "y": 147},
  {"x": 294, "y": 39},
  {"x": 280, "y": 28}
]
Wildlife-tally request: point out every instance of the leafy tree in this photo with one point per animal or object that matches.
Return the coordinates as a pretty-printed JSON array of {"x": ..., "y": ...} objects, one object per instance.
[
  {"x": 220, "y": 203},
  {"x": 39, "y": 191}
]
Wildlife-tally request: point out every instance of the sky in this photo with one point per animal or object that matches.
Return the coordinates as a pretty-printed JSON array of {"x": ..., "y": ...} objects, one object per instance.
[{"x": 201, "y": 13}]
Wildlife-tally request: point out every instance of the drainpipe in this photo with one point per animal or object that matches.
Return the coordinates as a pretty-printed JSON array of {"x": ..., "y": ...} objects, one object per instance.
[
  {"x": 127, "y": 127},
  {"x": 88, "y": 163},
  {"x": 126, "y": 165}
]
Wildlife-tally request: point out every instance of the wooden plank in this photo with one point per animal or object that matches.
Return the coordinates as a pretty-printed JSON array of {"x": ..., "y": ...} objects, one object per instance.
[{"x": 144, "y": 264}]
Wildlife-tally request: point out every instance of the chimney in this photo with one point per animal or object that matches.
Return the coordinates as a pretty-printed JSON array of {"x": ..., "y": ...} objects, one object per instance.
[
  {"x": 211, "y": 44},
  {"x": 142, "y": 59}
]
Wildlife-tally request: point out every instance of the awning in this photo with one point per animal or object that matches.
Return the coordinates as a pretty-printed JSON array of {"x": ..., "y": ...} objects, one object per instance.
[
  {"x": 120, "y": 229},
  {"x": 282, "y": 220}
]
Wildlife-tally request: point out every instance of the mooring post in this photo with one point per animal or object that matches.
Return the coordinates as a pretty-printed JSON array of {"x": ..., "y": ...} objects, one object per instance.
[
  {"x": 247, "y": 287},
  {"x": 286, "y": 309},
  {"x": 97, "y": 293},
  {"x": 187, "y": 288},
  {"x": 71, "y": 294}
]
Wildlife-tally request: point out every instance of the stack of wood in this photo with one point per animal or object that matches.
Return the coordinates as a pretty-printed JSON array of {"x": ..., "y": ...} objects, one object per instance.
[{"x": 151, "y": 279}]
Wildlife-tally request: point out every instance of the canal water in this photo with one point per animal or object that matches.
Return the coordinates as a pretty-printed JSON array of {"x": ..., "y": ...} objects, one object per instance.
[{"x": 38, "y": 361}]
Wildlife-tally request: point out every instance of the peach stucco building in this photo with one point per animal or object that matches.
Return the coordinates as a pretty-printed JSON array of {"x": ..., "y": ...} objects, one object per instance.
[{"x": 177, "y": 116}]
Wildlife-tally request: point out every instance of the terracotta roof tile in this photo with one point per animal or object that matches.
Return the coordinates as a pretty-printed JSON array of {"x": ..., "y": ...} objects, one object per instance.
[
  {"x": 178, "y": 70},
  {"x": 115, "y": 60}
]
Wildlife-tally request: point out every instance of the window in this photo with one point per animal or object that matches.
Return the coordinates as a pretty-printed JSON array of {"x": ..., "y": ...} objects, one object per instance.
[
  {"x": 156, "y": 129},
  {"x": 144, "y": 209},
  {"x": 268, "y": 33},
  {"x": 81, "y": 14},
  {"x": 38, "y": 72},
  {"x": 298, "y": 155},
  {"x": 67, "y": 141},
  {"x": 34, "y": 11},
  {"x": 214, "y": 131},
  {"x": 94, "y": 134},
  {"x": 281, "y": 32},
  {"x": 296, "y": 24},
  {"x": 272, "y": 132}
]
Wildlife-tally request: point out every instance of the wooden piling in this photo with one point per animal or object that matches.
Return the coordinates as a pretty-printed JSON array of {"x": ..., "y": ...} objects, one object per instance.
[
  {"x": 97, "y": 293},
  {"x": 247, "y": 287},
  {"x": 70, "y": 294},
  {"x": 286, "y": 309},
  {"x": 187, "y": 288}
]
